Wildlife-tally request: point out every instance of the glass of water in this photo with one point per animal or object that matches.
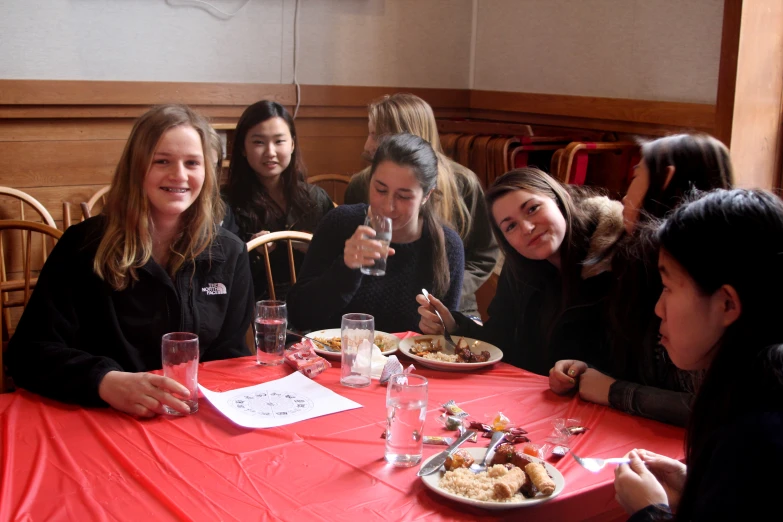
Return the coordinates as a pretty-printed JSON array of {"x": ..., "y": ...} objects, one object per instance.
[
  {"x": 383, "y": 233},
  {"x": 406, "y": 409},
  {"x": 270, "y": 326},
  {"x": 179, "y": 354},
  {"x": 358, "y": 335}
]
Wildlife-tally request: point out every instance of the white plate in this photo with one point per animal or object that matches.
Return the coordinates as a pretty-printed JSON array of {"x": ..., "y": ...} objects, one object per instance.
[
  {"x": 432, "y": 480},
  {"x": 392, "y": 342},
  {"x": 495, "y": 354}
]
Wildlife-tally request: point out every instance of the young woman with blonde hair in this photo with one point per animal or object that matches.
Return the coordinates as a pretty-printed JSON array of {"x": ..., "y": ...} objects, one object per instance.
[
  {"x": 461, "y": 203},
  {"x": 153, "y": 262}
]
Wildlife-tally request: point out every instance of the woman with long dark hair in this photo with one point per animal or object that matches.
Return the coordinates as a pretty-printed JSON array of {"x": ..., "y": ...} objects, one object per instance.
[
  {"x": 640, "y": 379},
  {"x": 721, "y": 262},
  {"x": 267, "y": 189},
  {"x": 423, "y": 253},
  {"x": 550, "y": 301}
]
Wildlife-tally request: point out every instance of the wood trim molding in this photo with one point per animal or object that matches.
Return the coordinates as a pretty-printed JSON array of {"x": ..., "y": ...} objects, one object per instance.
[
  {"x": 65, "y": 99},
  {"x": 727, "y": 73},
  {"x": 672, "y": 114},
  {"x": 89, "y": 92}
]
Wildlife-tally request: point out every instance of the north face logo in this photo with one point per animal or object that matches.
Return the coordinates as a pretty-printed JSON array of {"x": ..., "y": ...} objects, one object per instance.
[{"x": 214, "y": 289}]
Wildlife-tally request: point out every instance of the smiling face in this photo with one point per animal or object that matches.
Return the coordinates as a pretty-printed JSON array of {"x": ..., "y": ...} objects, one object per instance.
[
  {"x": 176, "y": 175},
  {"x": 268, "y": 148},
  {"x": 692, "y": 322},
  {"x": 531, "y": 223},
  {"x": 395, "y": 192}
]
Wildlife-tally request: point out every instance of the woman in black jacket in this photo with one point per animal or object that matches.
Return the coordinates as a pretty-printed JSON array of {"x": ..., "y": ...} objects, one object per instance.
[
  {"x": 153, "y": 262},
  {"x": 640, "y": 378},
  {"x": 721, "y": 262},
  {"x": 551, "y": 295},
  {"x": 267, "y": 190}
]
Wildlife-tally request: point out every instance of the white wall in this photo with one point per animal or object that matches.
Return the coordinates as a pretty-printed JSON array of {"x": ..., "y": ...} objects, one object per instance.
[
  {"x": 643, "y": 49},
  {"x": 342, "y": 42},
  {"x": 646, "y": 49}
]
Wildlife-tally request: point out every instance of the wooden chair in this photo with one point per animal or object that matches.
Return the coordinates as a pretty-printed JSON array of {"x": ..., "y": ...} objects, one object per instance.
[
  {"x": 333, "y": 184},
  {"x": 88, "y": 208},
  {"x": 289, "y": 236},
  {"x": 25, "y": 198},
  {"x": 11, "y": 264},
  {"x": 573, "y": 161}
]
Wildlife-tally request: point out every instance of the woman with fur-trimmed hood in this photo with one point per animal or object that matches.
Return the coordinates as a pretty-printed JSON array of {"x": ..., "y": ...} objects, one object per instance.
[{"x": 551, "y": 297}]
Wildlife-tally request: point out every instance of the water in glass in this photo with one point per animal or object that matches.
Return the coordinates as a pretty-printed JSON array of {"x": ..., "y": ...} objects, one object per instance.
[{"x": 406, "y": 409}]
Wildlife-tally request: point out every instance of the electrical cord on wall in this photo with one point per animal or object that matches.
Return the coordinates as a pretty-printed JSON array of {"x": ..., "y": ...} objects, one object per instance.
[
  {"x": 206, "y": 6},
  {"x": 296, "y": 45}
]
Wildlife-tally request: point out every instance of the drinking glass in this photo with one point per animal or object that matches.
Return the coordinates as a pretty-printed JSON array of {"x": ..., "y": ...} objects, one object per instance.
[
  {"x": 358, "y": 335},
  {"x": 270, "y": 326},
  {"x": 179, "y": 353},
  {"x": 383, "y": 233},
  {"x": 406, "y": 409}
]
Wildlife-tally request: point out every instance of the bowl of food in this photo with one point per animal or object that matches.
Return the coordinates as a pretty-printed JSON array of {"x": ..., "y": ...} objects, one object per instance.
[
  {"x": 433, "y": 352},
  {"x": 328, "y": 343}
]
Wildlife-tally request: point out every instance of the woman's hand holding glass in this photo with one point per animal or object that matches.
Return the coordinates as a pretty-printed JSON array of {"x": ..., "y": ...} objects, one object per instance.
[
  {"x": 564, "y": 374},
  {"x": 361, "y": 249},
  {"x": 636, "y": 487},
  {"x": 429, "y": 323},
  {"x": 142, "y": 394}
]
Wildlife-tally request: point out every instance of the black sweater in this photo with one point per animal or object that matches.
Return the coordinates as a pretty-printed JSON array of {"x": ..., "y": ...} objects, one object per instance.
[
  {"x": 76, "y": 329},
  {"x": 326, "y": 288}
]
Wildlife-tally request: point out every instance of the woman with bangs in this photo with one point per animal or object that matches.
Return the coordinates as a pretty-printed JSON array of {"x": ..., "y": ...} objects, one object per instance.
[
  {"x": 461, "y": 204},
  {"x": 641, "y": 379},
  {"x": 551, "y": 296},
  {"x": 267, "y": 191},
  {"x": 153, "y": 262}
]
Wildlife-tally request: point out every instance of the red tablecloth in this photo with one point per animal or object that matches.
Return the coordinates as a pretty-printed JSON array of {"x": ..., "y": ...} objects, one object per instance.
[{"x": 62, "y": 462}]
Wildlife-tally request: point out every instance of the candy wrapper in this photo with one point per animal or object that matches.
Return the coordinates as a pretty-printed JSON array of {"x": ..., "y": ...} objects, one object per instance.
[
  {"x": 558, "y": 452},
  {"x": 564, "y": 429},
  {"x": 302, "y": 357},
  {"x": 455, "y": 410},
  {"x": 392, "y": 366},
  {"x": 512, "y": 435},
  {"x": 451, "y": 422},
  {"x": 431, "y": 440}
]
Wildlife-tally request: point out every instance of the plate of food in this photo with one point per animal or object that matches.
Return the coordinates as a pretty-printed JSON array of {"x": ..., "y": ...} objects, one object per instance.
[
  {"x": 329, "y": 342},
  {"x": 512, "y": 480},
  {"x": 433, "y": 352}
]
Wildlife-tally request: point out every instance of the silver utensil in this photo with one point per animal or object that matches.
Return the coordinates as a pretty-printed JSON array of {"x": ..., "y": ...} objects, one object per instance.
[
  {"x": 438, "y": 460},
  {"x": 496, "y": 439},
  {"x": 446, "y": 334},
  {"x": 596, "y": 465}
]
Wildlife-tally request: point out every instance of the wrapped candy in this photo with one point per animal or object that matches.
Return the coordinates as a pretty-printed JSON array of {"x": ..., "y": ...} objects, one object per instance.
[
  {"x": 455, "y": 410},
  {"x": 302, "y": 357}
]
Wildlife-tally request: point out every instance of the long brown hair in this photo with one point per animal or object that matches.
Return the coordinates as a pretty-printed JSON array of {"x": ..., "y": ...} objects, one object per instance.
[
  {"x": 407, "y": 113},
  {"x": 579, "y": 225},
  {"x": 126, "y": 244},
  {"x": 415, "y": 153}
]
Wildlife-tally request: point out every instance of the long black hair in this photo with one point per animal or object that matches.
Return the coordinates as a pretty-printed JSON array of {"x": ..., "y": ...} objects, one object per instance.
[
  {"x": 732, "y": 237},
  {"x": 408, "y": 150},
  {"x": 253, "y": 207}
]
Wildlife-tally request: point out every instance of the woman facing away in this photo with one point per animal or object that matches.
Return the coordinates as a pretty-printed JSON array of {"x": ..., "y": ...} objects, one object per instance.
[
  {"x": 551, "y": 296},
  {"x": 641, "y": 379},
  {"x": 461, "y": 204},
  {"x": 721, "y": 261},
  {"x": 424, "y": 253},
  {"x": 153, "y": 262},
  {"x": 267, "y": 190}
]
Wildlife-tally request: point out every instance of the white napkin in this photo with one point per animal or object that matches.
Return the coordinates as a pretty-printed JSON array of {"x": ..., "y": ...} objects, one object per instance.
[{"x": 378, "y": 362}]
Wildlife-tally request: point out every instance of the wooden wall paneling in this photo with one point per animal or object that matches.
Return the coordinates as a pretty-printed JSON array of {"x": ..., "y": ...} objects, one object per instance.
[
  {"x": 756, "y": 122},
  {"x": 51, "y": 163},
  {"x": 727, "y": 72}
]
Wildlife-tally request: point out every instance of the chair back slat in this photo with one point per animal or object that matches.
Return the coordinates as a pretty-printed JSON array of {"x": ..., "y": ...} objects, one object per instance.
[{"x": 289, "y": 236}]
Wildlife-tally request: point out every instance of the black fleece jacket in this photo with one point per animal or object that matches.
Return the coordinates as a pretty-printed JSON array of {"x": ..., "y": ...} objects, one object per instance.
[{"x": 76, "y": 329}]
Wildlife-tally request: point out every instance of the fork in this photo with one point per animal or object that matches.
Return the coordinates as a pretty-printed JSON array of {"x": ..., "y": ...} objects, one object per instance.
[
  {"x": 596, "y": 465},
  {"x": 497, "y": 438},
  {"x": 446, "y": 334}
]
